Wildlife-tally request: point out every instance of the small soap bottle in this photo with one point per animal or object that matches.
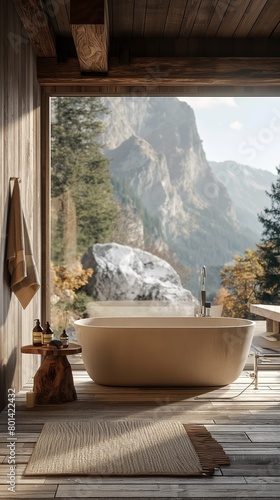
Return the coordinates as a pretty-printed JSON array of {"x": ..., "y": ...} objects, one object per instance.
[
  {"x": 47, "y": 334},
  {"x": 64, "y": 339},
  {"x": 37, "y": 333},
  {"x": 208, "y": 309}
]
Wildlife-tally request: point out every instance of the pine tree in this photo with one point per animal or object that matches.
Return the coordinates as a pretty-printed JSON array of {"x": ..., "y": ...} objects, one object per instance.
[
  {"x": 74, "y": 130},
  {"x": 93, "y": 195},
  {"x": 269, "y": 249},
  {"x": 80, "y": 177}
]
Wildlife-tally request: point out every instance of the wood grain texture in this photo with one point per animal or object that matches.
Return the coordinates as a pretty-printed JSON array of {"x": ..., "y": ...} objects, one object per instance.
[
  {"x": 188, "y": 20},
  {"x": 155, "y": 19},
  {"x": 35, "y": 20},
  {"x": 176, "y": 18},
  {"x": 91, "y": 43},
  {"x": 265, "y": 23},
  {"x": 138, "y": 18},
  {"x": 267, "y": 311},
  {"x": 53, "y": 381},
  {"x": 250, "y": 438},
  {"x": 124, "y": 21},
  {"x": 233, "y": 15},
  {"x": 252, "y": 13},
  {"x": 45, "y": 161},
  {"x": 183, "y": 90},
  {"x": 167, "y": 72},
  {"x": 91, "y": 34},
  {"x": 203, "y": 18},
  {"x": 65, "y": 351},
  {"x": 19, "y": 156},
  {"x": 59, "y": 16}
]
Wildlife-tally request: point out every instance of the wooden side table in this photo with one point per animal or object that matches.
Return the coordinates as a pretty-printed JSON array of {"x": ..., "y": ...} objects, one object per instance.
[
  {"x": 53, "y": 381},
  {"x": 272, "y": 316}
]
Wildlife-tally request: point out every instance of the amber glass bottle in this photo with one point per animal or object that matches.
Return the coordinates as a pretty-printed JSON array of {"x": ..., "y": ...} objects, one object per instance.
[
  {"x": 37, "y": 333},
  {"x": 64, "y": 339},
  {"x": 47, "y": 334}
]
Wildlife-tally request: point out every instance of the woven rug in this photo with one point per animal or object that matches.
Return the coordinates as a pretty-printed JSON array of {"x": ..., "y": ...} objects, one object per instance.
[{"x": 125, "y": 448}]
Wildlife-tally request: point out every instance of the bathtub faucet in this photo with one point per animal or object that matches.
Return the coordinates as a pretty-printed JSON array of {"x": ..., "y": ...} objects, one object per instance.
[{"x": 203, "y": 291}]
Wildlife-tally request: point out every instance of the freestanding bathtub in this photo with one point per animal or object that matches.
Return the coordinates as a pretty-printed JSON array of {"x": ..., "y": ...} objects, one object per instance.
[{"x": 164, "y": 351}]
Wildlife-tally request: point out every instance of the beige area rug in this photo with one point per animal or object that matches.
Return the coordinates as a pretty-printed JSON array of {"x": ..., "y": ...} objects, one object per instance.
[{"x": 125, "y": 448}]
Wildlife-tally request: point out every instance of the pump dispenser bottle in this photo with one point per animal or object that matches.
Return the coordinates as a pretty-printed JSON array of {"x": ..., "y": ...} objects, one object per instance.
[
  {"x": 37, "y": 333},
  {"x": 47, "y": 334}
]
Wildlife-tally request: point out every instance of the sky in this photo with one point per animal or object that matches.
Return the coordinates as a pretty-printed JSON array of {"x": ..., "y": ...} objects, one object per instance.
[{"x": 243, "y": 129}]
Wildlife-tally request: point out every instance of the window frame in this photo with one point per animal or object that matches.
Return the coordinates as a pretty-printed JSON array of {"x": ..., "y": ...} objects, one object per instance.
[{"x": 88, "y": 91}]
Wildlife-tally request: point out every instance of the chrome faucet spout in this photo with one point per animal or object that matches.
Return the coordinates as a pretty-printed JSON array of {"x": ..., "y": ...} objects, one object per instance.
[{"x": 204, "y": 274}]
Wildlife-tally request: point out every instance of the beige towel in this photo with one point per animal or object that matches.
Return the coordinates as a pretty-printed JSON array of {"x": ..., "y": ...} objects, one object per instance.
[{"x": 22, "y": 268}]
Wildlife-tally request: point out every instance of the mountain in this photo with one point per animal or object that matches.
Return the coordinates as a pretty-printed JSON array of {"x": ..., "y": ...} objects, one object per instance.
[
  {"x": 156, "y": 153},
  {"x": 247, "y": 188}
]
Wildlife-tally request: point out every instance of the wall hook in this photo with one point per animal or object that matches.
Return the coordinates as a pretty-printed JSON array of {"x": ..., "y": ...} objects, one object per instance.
[{"x": 14, "y": 178}]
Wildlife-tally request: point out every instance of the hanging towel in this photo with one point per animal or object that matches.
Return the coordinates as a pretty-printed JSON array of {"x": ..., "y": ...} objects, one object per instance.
[{"x": 21, "y": 265}]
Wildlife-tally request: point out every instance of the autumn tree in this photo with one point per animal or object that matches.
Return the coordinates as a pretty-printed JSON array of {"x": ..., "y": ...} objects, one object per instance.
[
  {"x": 67, "y": 302},
  {"x": 240, "y": 282}
]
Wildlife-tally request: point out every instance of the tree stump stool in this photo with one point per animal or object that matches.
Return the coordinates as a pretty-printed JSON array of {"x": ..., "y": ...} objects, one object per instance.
[{"x": 53, "y": 382}]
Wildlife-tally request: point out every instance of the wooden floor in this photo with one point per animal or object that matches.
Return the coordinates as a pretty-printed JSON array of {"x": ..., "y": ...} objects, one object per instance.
[{"x": 247, "y": 425}]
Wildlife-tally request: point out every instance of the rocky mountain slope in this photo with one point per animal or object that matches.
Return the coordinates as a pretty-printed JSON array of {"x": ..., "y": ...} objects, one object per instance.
[
  {"x": 157, "y": 154},
  {"x": 247, "y": 188}
]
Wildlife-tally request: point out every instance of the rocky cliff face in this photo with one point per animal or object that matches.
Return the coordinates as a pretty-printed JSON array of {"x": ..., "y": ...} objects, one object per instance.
[
  {"x": 247, "y": 188},
  {"x": 155, "y": 150}
]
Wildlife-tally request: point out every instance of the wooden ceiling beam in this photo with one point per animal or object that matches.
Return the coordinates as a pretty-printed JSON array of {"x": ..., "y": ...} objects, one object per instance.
[
  {"x": 90, "y": 30},
  {"x": 195, "y": 47},
  {"x": 34, "y": 18},
  {"x": 163, "y": 71}
]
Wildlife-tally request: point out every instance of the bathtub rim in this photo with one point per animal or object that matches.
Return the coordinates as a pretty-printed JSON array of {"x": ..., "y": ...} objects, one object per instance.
[{"x": 115, "y": 322}]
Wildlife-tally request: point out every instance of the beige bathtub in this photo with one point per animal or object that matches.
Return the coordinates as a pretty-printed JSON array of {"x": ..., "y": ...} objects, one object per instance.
[{"x": 167, "y": 351}]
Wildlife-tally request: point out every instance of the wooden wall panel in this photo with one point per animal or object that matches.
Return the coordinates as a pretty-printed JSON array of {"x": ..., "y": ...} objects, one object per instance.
[{"x": 19, "y": 156}]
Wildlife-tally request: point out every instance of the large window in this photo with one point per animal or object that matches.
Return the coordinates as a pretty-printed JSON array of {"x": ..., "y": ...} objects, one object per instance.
[{"x": 145, "y": 191}]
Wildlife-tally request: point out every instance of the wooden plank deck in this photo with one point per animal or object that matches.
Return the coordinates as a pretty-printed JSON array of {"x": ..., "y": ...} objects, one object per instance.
[{"x": 247, "y": 425}]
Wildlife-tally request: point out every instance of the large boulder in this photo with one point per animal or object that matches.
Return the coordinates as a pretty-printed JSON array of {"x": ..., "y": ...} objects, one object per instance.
[{"x": 125, "y": 273}]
